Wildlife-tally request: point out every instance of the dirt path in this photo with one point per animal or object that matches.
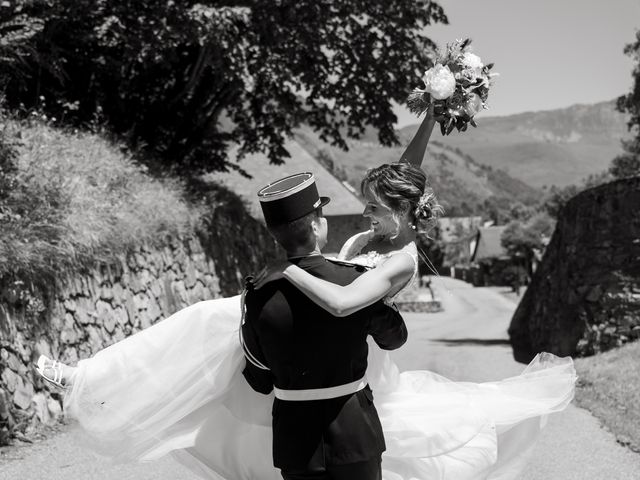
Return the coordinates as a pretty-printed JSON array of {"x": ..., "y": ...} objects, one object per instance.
[{"x": 467, "y": 341}]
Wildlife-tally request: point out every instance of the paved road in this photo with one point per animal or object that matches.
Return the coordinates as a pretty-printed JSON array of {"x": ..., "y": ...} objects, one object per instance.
[{"x": 466, "y": 342}]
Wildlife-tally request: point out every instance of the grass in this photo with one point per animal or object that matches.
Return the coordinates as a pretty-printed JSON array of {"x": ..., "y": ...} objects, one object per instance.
[
  {"x": 78, "y": 199},
  {"x": 609, "y": 386}
]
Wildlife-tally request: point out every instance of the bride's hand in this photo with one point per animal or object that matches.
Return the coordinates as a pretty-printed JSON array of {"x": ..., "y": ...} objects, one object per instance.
[{"x": 273, "y": 271}]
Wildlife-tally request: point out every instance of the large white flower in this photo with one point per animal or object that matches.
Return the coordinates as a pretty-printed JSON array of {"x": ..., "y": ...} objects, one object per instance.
[
  {"x": 439, "y": 82},
  {"x": 473, "y": 62}
]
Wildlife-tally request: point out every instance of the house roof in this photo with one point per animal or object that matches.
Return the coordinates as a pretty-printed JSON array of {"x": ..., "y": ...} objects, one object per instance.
[
  {"x": 488, "y": 244},
  {"x": 343, "y": 201}
]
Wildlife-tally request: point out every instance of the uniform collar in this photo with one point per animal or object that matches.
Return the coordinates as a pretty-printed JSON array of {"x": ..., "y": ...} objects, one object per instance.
[{"x": 308, "y": 261}]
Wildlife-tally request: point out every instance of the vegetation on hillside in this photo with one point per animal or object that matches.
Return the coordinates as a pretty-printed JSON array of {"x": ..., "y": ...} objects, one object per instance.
[
  {"x": 69, "y": 200},
  {"x": 186, "y": 80}
]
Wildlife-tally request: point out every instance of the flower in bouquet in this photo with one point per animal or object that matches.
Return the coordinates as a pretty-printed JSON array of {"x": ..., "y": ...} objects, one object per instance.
[
  {"x": 457, "y": 86},
  {"x": 439, "y": 82}
]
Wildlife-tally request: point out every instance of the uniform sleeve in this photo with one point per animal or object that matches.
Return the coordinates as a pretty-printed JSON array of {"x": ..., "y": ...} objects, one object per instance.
[
  {"x": 256, "y": 372},
  {"x": 387, "y": 328}
]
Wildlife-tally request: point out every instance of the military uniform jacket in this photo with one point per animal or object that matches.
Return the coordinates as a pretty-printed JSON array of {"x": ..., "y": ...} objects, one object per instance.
[{"x": 305, "y": 347}]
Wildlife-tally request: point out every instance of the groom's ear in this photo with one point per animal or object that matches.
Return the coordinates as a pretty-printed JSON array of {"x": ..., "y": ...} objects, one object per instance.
[{"x": 315, "y": 226}]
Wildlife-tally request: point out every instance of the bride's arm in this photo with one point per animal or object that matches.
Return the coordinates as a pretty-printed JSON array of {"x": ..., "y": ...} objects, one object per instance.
[
  {"x": 414, "y": 153},
  {"x": 368, "y": 288}
]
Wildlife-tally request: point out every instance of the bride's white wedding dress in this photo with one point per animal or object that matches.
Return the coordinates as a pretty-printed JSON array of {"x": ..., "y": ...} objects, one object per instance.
[{"x": 176, "y": 388}]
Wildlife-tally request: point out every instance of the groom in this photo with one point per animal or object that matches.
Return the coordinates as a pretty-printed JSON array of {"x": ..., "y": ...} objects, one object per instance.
[{"x": 325, "y": 425}]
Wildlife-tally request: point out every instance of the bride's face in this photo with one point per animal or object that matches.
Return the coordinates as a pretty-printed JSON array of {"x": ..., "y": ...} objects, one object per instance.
[{"x": 381, "y": 216}]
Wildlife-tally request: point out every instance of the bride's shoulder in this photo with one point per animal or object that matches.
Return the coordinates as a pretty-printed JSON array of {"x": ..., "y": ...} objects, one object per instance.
[{"x": 407, "y": 255}]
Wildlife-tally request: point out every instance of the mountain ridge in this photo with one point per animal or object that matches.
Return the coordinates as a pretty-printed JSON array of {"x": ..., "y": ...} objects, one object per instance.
[{"x": 546, "y": 147}]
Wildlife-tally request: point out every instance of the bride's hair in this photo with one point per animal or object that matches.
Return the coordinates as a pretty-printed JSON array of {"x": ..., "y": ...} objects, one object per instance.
[{"x": 402, "y": 187}]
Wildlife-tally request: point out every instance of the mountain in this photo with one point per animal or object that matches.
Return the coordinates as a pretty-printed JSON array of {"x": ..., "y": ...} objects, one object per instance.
[
  {"x": 462, "y": 185},
  {"x": 554, "y": 147}
]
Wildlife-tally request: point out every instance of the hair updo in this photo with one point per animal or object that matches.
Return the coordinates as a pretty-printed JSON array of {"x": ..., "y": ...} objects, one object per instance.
[{"x": 402, "y": 187}]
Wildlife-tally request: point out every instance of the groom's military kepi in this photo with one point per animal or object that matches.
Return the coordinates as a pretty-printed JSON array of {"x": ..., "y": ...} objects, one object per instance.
[{"x": 325, "y": 425}]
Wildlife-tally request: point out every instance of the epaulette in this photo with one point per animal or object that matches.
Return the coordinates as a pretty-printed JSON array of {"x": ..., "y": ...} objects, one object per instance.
[
  {"x": 248, "y": 282},
  {"x": 346, "y": 263}
]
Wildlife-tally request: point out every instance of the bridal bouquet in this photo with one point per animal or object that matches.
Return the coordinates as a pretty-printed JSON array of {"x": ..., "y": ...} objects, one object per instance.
[{"x": 457, "y": 85}]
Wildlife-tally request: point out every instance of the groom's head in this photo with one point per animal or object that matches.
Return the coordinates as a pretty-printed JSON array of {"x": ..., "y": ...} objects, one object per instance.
[{"x": 292, "y": 210}]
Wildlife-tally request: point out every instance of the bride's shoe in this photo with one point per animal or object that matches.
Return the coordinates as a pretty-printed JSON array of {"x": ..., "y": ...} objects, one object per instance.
[{"x": 56, "y": 375}]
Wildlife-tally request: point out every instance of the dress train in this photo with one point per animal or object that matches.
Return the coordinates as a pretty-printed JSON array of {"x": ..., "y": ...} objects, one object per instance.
[{"x": 176, "y": 388}]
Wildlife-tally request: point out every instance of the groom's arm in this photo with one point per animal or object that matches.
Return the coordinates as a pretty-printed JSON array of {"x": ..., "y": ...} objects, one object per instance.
[{"x": 387, "y": 327}]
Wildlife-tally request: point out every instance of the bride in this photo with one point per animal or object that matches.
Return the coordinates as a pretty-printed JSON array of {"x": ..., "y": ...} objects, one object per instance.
[{"x": 176, "y": 388}]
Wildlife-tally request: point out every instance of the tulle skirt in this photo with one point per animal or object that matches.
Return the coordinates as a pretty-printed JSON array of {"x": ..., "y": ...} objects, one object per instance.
[{"x": 176, "y": 388}]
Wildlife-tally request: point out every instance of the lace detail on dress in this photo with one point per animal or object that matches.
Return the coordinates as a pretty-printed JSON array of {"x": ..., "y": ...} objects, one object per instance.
[{"x": 373, "y": 259}]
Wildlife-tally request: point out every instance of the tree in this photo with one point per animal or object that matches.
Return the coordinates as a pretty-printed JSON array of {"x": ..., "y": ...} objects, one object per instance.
[
  {"x": 628, "y": 163},
  {"x": 625, "y": 165},
  {"x": 189, "y": 80},
  {"x": 523, "y": 240}
]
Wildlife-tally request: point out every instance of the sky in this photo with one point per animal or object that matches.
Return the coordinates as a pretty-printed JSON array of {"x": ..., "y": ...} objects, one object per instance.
[{"x": 549, "y": 53}]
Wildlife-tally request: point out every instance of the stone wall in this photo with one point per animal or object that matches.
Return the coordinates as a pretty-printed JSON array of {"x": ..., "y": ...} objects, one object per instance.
[
  {"x": 85, "y": 313},
  {"x": 585, "y": 295}
]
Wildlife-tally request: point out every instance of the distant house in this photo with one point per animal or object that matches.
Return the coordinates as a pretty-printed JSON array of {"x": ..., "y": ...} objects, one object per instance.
[
  {"x": 344, "y": 212},
  {"x": 458, "y": 234},
  {"x": 491, "y": 263},
  {"x": 488, "y": 244}
]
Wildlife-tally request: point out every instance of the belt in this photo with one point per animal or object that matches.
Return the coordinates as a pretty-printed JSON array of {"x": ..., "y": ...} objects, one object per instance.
[{"x": 320, "y": 393}]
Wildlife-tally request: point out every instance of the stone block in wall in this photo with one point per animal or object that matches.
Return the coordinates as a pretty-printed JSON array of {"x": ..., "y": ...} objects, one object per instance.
[
  {"x": 70, "y": 305},
  {"x": 156, "y": 289},
  {"x": 6, "y": 418},
  {"x": 170, "y": 304},
  {"x": 180, "y": 292},
  {"x": 69, "y": 355},
  {"x": 23, "y": 395},
  {"x": 121, "y": 316},
  {"x": 118, "y": 334},
  {"x": 106, "y": 292},
  {"x": 22, "y": 347},
  {"x": 130, "y": 308},
  {"x": 10, "y": 380},
  {"x": 95, "y": 339},
  {"x": 106, "y": 316},
  {"x": 117, "y": 292},
  {"x": 69, "y": 334},
  {"x": 153, "y": 311},
  {"x": 191, "y": 276},
  {"x": 12, "y": 360}
]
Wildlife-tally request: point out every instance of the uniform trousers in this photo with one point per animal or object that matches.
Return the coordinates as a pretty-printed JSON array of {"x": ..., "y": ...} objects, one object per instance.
[{"x": 369, "y": 470}]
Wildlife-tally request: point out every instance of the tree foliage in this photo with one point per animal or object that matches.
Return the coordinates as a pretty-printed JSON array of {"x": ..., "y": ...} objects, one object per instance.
[
  {"x": 628, "y": 163},
  {"x": 630, "y": 103},
  {"x": 522, "y": 238},
  {"x": 189, "y": 80}
]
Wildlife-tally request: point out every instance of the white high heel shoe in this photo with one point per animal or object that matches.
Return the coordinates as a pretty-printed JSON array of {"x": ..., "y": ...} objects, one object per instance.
[{"x": 54, "y": 366}]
